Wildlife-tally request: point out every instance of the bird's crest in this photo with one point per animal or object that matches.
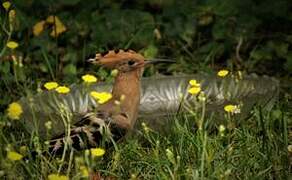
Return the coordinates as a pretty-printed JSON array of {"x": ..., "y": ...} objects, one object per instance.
[{"x": 113, "y": 57}]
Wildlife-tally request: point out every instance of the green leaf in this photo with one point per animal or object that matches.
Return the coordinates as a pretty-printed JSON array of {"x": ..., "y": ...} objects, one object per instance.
[
  {"x": 5, "y": 67},
  {"x": 102, "y": 73},
  {"x": 70, "y": 57},
  {"x": 151, "y": 51},
  {"x": 70, "y": 69}
]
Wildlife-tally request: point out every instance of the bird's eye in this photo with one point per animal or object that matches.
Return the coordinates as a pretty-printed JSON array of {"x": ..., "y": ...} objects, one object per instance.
[{"x": 131, "y": 62}]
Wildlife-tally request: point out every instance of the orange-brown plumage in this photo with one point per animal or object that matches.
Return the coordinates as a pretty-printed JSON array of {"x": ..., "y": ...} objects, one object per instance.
[{"x": 127, "y": 85}]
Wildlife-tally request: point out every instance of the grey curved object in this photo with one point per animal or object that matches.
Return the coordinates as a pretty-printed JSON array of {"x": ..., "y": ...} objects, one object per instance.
[{"x": 161, "y": 98}]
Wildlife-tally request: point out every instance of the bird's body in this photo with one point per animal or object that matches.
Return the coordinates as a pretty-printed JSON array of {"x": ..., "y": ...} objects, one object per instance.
[{"x": 118, "y": 115}]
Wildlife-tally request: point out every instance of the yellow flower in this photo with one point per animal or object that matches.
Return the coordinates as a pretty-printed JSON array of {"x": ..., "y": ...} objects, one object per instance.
[
  {"x": 62, "y": 89},
  {"x": 51, "y": 85},
  {"x": 194, "y": 90},
  {"x": 12, "y": 44},
  {"x": 57, "y": 177},
  {"x": 38, "y": 28},
  {"x": 89, "y": 78},
  {"x": 232, "y": 108},
  {"x": 84, "y": 171},
  {"x": 101, "y": 97},
  {"x": 14, "y": 110},
  {"x": 6, "y": 5},
  {"x": 194, "y": 82},
  {"x": 14, "y": 156},
  {"x": 58, "y": 27},
  {"x": 222, "y": 73},
  {"x": 51, "y": 19},
  {"x": 95, "y": 152}
]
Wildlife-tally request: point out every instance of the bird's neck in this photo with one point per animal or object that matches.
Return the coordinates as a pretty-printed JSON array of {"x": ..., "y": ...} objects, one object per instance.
[{"x": 127, "y": 85}]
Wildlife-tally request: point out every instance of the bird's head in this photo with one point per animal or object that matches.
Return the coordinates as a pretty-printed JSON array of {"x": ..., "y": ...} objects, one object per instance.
[{"x": 123, "y": 61}]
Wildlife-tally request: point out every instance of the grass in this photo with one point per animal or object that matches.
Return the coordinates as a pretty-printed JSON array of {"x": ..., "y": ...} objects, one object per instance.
[
  {"x": 256, "y": 149},
  {"x": 190, "y": 148},
  {"x": 242, "y": 153}
]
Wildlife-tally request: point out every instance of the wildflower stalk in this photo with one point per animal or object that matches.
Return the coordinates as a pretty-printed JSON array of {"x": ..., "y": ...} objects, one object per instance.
[
  {"x": 63, "y": 156},
  {"x": 66, "y": 120},
  {"x": 70, "y": 163},
  {"x": 203, "y": 154},
  {"x": 15, "y": 72},
  {"x": 203, "y": 113},
  {"x": 9, "y": 33},
  {"x": 3, "y": 25}
]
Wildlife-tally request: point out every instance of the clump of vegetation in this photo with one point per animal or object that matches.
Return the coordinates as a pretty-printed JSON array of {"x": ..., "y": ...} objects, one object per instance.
[{"x": 52, "y": 41}]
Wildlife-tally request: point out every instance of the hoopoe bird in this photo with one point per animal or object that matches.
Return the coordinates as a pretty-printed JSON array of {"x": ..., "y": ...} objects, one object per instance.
[{"x": 117, "y": 116}]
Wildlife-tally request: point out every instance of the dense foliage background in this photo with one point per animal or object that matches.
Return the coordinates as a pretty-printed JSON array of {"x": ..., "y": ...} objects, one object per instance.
[
  {"x": 201, "y": 35},
  {"x": 246, "y": 35}
]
